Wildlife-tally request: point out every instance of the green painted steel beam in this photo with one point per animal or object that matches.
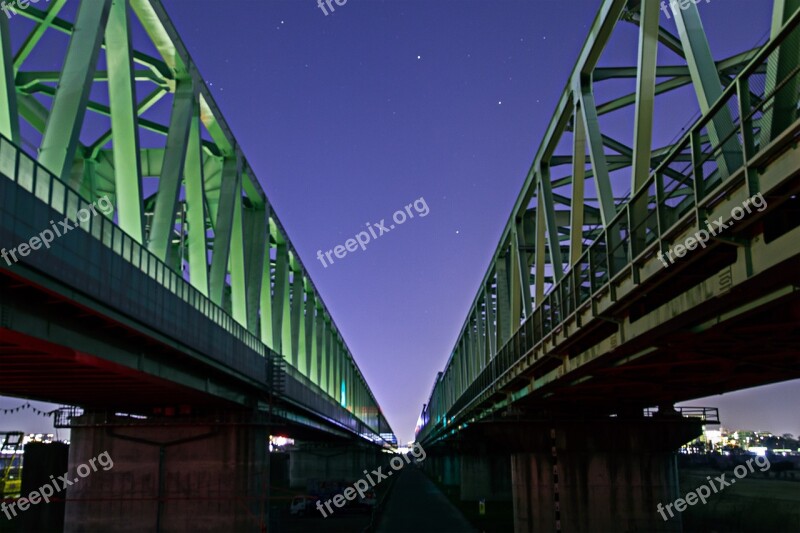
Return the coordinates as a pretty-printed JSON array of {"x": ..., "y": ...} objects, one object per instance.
[
  {"x": 266, "y": 305},
  {"x": 280, "y": 302},
  {"x": 578, "y": 188},
  {"x": 630, "y": 99},
  {"x": 503, "y": 307},
  {"x": 197, "y": 247},
  {"x": 30, "y": 78},
  {"x": 514, "y": 281},
  {"x": 172, "y": 169},
  {"x": 671, "y": 71},
  {"x": 32, "y": 111},
  {"x": 109, "y": 166},
  {"x": 9, "y": 114},
  {"x": 597, "y": 154},
  {"x": 707, "y": 84},
  {"x": 539, "y": 254},
  {"x": 491, "y": 334},
  {"x": 230, "y": 194},
  {"x": 61, "y": 135},
  {"x": 236, "y": 263},
  {"x": 525, "y": 240},
  {"x": 124, "y": 121},
  {"x": 297, "y": 319},
  {"x": 147, "y": 102},
  {"x": 547, "y": 205},
  {"x": 61, "y": 25},
  {"x": 781, "y": 72},
  {"x": 153, "y": 24},
  {"x": 645, "y": 94},
  {"x": 256, "y": 231},
  {"x": 38, "y": 32},
  {"x": 310, "y": 338}
]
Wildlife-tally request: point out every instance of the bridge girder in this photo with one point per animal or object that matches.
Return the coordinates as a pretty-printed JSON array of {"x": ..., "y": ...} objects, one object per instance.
[
  {"x": 209, "y": 218},
  {"x": 631, "y": 187}
]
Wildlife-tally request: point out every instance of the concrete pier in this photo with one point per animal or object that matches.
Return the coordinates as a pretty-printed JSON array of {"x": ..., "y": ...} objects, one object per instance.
[
  {"x": 602, "y": 475},
  {"x": 198, "y": 474}
]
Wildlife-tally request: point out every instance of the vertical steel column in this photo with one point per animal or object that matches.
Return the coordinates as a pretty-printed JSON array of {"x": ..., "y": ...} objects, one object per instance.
[
  {"x": 256, "y": 237},
  {"x": 576, "y": 212},
  {"x": 9, "y": 116},
  {"x": 196, "y": 210},
  {"x": 280, "y": 302},
  {"x": 124, "y": 121},
  {"x": 298, "y": 322},
  {"x": 229, "y": 195},
  {"x": 645, "y": 94}
]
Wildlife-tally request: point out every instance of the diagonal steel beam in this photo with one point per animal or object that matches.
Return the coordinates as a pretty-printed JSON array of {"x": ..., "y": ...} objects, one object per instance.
[
  {"x": 597, "y": 154},
  {"x": 780, "y": 67},
  {"x": 38, "y": 32},
  {"x": 578, "y": 196},
  {"x": 61, "y": 135},
  {"x": 707, "y": 84},
  {"x": 172, "y": 169}
]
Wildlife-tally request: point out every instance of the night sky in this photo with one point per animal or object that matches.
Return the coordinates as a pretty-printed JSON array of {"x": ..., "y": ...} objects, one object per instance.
[{"x": 348, "y": 117}]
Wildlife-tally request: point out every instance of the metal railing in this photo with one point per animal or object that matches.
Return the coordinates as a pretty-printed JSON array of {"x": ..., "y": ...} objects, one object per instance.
[
  {"x": 656, "y": 210},
  {"x": 30, "y": 176}
]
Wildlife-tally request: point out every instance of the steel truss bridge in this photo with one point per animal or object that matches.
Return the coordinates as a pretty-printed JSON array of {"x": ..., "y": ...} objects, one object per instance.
[
  {"x": 190, "y": 291},
  {"x": 580, "y": 313}
]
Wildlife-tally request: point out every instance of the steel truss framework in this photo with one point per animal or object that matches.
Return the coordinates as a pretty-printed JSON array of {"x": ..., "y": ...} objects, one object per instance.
[
  {"x": 560, "y": 245},
  {"x": 128, "y": 103}
]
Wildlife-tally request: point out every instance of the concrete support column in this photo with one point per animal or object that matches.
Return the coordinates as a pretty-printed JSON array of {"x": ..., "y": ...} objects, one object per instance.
[
  {"x": 606, "y": 475},
  {"x": 451, "y": 469},
  {"x": 486, "y": 476},
  {"x": 311, "y": 463},
  {"x": 192, "y": 474}
]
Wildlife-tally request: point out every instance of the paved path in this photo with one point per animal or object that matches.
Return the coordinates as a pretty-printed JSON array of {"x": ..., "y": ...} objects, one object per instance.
[{"x": 416, "y": 506}]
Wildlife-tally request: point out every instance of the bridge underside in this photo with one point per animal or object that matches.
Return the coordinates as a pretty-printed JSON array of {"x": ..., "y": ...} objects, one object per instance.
[
  {"x": 39, "y": 358},
  {"x": 727, "y": 345},
  {"x": 32, "y": 368}
]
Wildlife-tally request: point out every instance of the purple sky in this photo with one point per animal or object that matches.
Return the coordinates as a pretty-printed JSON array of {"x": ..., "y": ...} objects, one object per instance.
[{"x": 348, "y": 117}]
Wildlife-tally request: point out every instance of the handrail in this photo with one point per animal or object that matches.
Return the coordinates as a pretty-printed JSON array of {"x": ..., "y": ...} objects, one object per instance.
[{"x": 623, "y": 214}]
